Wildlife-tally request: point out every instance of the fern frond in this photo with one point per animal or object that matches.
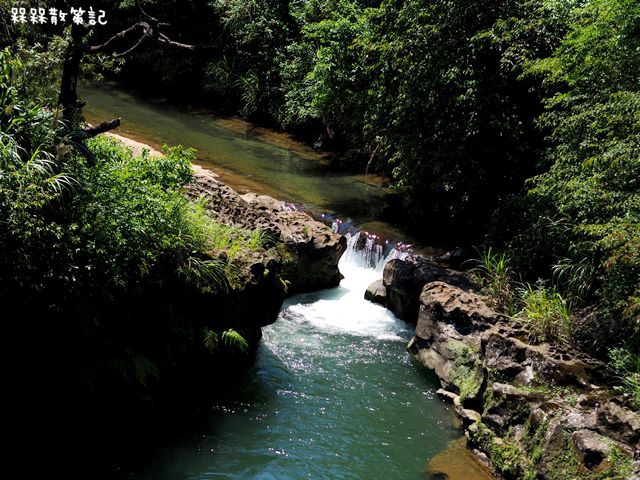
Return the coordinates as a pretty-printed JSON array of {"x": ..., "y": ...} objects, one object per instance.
[
  {"x": 210, "y": 272},
  {"x": 211, "y": 340},
  {"x": 233, "y": 339},
  {"x": 143, "y": 369}
]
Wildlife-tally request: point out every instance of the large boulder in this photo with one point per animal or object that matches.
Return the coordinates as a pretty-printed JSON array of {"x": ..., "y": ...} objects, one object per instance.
[
  {"x": 448, "y": 337},
  {"x": 403, "y": 280},
  {"x": 619, "y": 422},
  {"x": 376, "y": 293},
  {"x": 591, "y": 448}
]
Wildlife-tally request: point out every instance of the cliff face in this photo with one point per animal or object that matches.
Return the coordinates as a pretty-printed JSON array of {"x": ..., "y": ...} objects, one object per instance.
[{"x": 531, "y": 411}]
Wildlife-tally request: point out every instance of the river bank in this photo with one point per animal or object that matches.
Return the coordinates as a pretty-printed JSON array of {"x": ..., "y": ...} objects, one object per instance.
[
  {"x": 531, "y": 410},
  {"x": 252, "y": 159}
]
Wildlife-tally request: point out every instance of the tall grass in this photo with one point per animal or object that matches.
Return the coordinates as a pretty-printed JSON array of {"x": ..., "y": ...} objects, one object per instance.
[
  {"x": 576, "y": 277},
  {"x": 626, "y": 365},
  {"x": 493, "y": 274},
  {"x": 217, "y": 237},
  {"x": 541, "y": 309},
  {"x": 545, "y": 314}
]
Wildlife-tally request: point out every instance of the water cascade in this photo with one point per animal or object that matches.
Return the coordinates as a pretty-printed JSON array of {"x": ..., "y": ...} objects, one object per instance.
[{"x": 333, "y": 393}]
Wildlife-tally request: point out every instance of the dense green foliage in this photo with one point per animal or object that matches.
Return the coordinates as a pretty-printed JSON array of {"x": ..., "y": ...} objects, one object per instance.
[
  {"x": 626, "y": 365},
  {"x": 460, "y": 102},
  {"x": 495, "y": 278},
  {"x": 101, "y": 259},
  {"x": 584, "y": 212},
  {"x": 415, "y": 91},
  {"x": 514, "y": 123},
  {"x": 82, "y": 234}
]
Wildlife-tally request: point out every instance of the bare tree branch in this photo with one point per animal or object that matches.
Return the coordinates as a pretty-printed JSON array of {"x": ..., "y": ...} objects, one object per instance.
[
  {"x": 77, "y": 48},
  {"x": 162, "y": 38},
  {"x": 143, "y": 12},
  {"x": 94, "y": 130},
  {"x": 144, "y": 36},
  {"x": 117, "y": 36},
  {"x": 150, "y": 30}
]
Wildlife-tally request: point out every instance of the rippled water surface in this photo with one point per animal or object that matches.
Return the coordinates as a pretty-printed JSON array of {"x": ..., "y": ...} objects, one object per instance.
[{"x": 334, "y": 395}]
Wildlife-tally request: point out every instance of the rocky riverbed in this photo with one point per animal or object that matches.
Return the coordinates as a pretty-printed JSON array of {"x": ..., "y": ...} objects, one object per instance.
[{"x": 529, "y": 410}]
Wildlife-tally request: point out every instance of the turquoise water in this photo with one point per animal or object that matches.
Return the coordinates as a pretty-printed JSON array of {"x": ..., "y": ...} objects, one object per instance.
[
  {"x": 278, "y": 167},
  {"x": 334, "y": 395}
]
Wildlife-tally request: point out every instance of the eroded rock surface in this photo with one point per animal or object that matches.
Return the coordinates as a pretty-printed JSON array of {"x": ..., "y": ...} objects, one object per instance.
[
  {"x": 376, "y": 293},
  {"x": 312, "y": 249},
  {"x": 404, "y": 279},
  {"x": 536, "y": 411},
  {"x": 448, "y": 337},
  {"x": 296, "y": 254},
  {"x": 513, "y": 359}
]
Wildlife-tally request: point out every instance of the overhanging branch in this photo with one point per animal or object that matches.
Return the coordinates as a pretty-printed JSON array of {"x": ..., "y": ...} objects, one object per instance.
[
  {"x": 162, "y": 38},
  {"x": 94, "y": 130},
  {"x": 150, "y": 29},
  {"x": 120, "y": 35}
]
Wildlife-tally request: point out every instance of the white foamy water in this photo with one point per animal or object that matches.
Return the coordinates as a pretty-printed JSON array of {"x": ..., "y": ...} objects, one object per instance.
[{"x": 344, "y": 309}]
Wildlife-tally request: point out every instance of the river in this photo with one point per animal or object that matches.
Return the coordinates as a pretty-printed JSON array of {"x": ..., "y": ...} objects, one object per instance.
[
  {"x": 333, "y": 393},
  {"x": 247, "y": 158}
]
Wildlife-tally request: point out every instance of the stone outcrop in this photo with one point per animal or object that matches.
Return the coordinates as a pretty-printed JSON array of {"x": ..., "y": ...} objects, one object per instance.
[
  {"x": 534, "y": 411},
  {"x": 376, "y": 293},
  {"x": 312, "y": 250},
  {"x": 404, "y": 279},
  {"x": 511, "y": 358},
  {"x": 448, "y": 337},
  {"x": 296, "y": 254},
  {"x": 591, "y": 448}
]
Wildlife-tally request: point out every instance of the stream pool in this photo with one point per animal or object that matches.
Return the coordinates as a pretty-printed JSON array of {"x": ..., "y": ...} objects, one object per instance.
[{"x": 333, "y": 393}]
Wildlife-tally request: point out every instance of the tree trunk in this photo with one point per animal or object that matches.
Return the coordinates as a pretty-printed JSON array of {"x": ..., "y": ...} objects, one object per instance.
[
  {"x": 68, "y": 98},
  {"x": 90, "y": 132}
]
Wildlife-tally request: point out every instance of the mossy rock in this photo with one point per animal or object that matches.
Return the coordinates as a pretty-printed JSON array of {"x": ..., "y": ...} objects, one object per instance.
[{"x": 467, "y": 373}]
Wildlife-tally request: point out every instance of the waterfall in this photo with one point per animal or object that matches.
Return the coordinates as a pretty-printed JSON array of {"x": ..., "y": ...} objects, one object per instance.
[
  {"x": 366, "y": 250},
  {"x": 344, "y": 309},
  {"x": 333, "y": 394}
]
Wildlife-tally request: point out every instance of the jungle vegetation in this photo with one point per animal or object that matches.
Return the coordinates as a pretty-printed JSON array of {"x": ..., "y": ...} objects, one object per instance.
[
  {"x": 514, "y": 124},
  {"x": 511, "y": 123}
]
